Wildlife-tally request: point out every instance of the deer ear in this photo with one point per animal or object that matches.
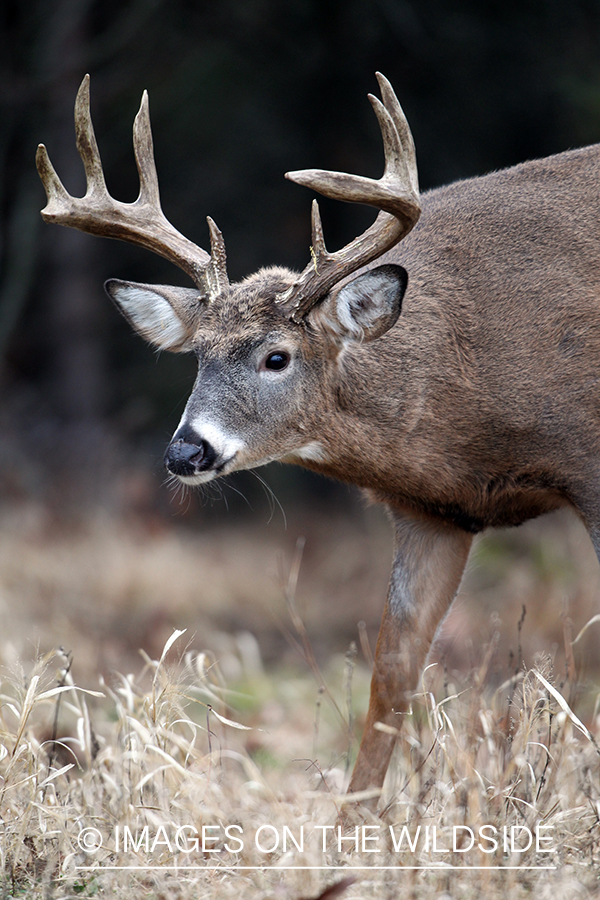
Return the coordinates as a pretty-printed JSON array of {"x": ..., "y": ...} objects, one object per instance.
[
  {"x": 165, "y": 316},
  {"x": 366, "y": 307}
]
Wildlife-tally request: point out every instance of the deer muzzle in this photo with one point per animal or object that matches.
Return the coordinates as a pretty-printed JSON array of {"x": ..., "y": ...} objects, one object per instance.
[{"x": 188, "y": 457}]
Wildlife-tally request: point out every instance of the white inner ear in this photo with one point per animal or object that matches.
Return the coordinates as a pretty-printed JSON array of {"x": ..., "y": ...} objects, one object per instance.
[
  {"x": 364, "y": 301},
  {"x": 152, "y": 316}
]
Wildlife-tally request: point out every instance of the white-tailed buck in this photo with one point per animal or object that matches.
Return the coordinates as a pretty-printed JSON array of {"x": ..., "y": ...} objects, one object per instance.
[{"x": 454, "y": 376}]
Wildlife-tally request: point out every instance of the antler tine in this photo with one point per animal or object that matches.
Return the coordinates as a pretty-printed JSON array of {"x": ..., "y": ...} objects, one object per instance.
[
  {"x": 390, "y": 101},
  {"x": 87, "y": 146},
  {"x": 316, "y": 229},
  {"x": 395, "y": 194},
  {"x": 55, "y": 192},
  {"x": 143, "y": 148},
  {"x": 142, "y": 222},
  {"x": 218, "y": 269}
]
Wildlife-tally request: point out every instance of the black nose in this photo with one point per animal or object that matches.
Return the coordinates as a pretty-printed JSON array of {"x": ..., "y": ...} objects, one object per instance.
[{"x": 189, "y": 458}]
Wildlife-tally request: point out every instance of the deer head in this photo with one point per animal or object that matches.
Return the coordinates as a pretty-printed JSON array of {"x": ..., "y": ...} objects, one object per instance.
[{"x": 265, "y": 346}]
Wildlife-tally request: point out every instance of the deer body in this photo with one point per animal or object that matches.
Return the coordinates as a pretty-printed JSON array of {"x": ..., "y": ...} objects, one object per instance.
[
  {"x": 485, "y": 393},
  {"x": 467, "y": 398}
]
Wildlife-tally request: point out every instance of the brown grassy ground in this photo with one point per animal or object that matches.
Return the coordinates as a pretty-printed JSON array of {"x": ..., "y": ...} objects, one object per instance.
[{"x": 489, "y": 742}]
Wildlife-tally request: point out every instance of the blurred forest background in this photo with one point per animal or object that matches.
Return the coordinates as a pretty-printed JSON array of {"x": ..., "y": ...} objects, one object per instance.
[{"x": 94, "y": 546}]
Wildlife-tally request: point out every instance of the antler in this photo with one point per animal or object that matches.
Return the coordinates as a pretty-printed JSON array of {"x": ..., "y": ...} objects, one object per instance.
[
  {"x": 396, "y": 194},
  {"x": 142, "y": 222}
]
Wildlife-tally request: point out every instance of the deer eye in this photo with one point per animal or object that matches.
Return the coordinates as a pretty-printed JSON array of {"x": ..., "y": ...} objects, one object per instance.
[{"x": 277, "y": 361}]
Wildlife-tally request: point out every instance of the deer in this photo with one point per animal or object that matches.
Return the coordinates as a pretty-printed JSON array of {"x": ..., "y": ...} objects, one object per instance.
[{"x": 446, "y": 361}]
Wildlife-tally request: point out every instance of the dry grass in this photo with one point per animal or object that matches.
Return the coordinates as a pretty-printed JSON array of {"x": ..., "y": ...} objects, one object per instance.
[
  {"x": 166, "y": 750},
  {"x": 490, "y": 741}
]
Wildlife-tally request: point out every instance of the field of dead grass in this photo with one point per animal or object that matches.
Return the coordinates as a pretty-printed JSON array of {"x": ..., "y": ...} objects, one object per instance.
[
  {"x": 154, "y": 787},
  {"x": 214, "y": 763}
]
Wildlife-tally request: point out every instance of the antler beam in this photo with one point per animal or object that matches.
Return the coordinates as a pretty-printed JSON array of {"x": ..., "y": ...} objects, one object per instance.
[
  {"x": 142, "y": 222},
  {"x": 395, "y": 194}
]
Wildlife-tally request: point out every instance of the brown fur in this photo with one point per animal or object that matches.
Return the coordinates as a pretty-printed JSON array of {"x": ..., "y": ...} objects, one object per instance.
[{"x": 482, "y": 404}]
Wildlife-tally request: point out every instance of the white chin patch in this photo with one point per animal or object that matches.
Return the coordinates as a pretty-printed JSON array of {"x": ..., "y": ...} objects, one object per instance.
[
  {"x": 313, "y": 452},
  {"x": 200, "y": 478}
]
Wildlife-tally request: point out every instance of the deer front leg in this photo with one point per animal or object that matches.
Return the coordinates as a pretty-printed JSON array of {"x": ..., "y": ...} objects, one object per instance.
[{"x": 429, "y": 560}]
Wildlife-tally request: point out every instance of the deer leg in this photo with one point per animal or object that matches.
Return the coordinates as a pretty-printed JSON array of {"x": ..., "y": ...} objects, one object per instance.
[
  {"x": 587, "y": 505},
  {"x": 429, "y": 561}
]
